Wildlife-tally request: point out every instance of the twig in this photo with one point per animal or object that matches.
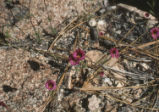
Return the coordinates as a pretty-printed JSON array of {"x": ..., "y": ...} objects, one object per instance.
[
  {"x": 130, "y": 74},
  {"x": 61, "y": 33}
]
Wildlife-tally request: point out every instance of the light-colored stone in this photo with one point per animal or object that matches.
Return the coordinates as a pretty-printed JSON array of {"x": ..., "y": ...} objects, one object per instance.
[
  {"x": 146, "y": 66},
  {"x": 101, "y": 25},
  {"x": 94, "y": 104},
  {"x": 119, "y": 84},
  {"x": 93, "y": 56},
  {"x": 92, "y": 22},
  {"x": 107, "y": 80}
]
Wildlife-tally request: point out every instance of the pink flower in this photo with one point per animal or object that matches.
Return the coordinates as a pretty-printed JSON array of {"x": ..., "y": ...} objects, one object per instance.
[
  {"x": 101, "y": 74},
  {"x": 101, "y": 33},
  {"x": 50, "y": 85},
  {"x": 114, "y": 53},
  {"x": 155, "y": 33},
  {"x": 79, "y": 54},
  {"x": 76, "y": 57},
  {"x": 146, "y": 14},
  {"x": 73, "y": 60},
  {"x": 3, "y": 104}
]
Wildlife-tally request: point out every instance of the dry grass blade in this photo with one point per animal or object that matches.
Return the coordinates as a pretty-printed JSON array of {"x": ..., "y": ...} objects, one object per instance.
[
  {"x": 124, "y": 50},
  {"x": 127, "y": 34},
  {"x": 42, "y": 108},
  {"x": 61, "y": 33},
  {"x": 145, "y": 53},
  {"x": 147, "y": 44},
  {"x": 116, "y": 88},
  {"x": 127, "y": 103},
  {"x": 108, "y": 38}
]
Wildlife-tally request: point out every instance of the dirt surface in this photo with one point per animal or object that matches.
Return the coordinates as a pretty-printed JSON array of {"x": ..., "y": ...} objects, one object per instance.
[
  {"x": 23, "y": 73},
  {"x": 37, "y": 37}
]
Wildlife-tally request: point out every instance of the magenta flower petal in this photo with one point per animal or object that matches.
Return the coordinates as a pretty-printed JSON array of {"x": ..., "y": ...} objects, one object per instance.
[
  {"x": 79, "y": 54},
  {"x": 101, "y": 74},
  {"x": 146, "y": 14},
  {"x": 114, "y": 53},
  {"x": 101, "y": 33},
  {"x": 3, "y": 104},
  {"x": 73, "y": 61},
  {"x": 50, "y": 85},
  {"x": 76, "y": 56},
  {"x": 155, "y": 33}
]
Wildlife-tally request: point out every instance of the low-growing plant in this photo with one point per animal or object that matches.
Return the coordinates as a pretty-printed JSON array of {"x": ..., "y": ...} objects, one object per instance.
[{"x": 154, "y": 7}]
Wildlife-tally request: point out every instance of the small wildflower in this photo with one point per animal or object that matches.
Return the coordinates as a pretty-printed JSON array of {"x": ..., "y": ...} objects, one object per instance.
[
  {"x": 3, "y": 104},
  {"x": 76, "y": 57},
  {"x": 101, "y": 74},
  {"x": 114, "y": 53},
  {"x": 50, "y": 85},
  {"x": 146, "y": 14},
  {"x": 101, "y": 33},
  {"x": 79, "y": 54},
  {"x": 73, "y": 60},
  {"x": 155, "y": 33}
]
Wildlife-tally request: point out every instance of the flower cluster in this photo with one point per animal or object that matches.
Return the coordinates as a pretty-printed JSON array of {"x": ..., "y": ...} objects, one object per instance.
[
  {"x": 155, "y": 33},
  {"x": 76, "y": 57},
  {"x": 79, "y": 55},
  {"x": 50, "y": 85}
]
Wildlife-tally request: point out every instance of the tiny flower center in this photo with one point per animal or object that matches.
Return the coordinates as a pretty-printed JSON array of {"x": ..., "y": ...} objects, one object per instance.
[
  {"x": 114, "y": 51},
  {"x": 79, "y": 55},
  {"x": 147, "y": 14},
  {"x": 155, "y": 32},
  {"x": 51, "y": 85},
  {"x": 101, "y": 33}
]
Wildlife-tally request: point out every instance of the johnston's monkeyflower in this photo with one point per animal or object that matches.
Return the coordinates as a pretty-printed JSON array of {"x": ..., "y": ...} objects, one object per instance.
[
  {"x": 50, "y": 85},
  {"x": 114, "y": 52},
  {"x": 146, "y": 15},
  {"x": 73, "y": 60},
  {"x": 76, "y": 57},
  {"x": 3, "y": 104},
  {"x": 101, "y": 74},
  {"x": 155, "y": 32},
  {"x": 101, "y": 33}
]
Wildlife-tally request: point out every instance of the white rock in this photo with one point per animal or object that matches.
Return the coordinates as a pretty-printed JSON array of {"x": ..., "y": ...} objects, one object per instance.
[
  {"x": 118, "y": 32},
  {"x": 107, "y": 80},
  {"x": 60, "y": 95},
  {"x": 129, "y": 100},
  {"x": 94, "y": 103},
  {"x": 101, "y": 25},
  {"x": 92, "y": 22},
  {"x": 102, "y": 11},
  {"x": 119, "y": 84},
  {"x": 146, "y": 66},
  {"x": 106, "y": 3},
  {"x": 151, "y": 23},
  {"x": 112, "y": 8},
  {"x": 93, "y": 56}
]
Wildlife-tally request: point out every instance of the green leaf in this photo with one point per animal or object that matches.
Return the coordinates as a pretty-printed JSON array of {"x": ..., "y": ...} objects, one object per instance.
[
  {"x": 54, "y": 31},
  {"x": 7, "y": 35},
  {"x": 151, "y": 12}
]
